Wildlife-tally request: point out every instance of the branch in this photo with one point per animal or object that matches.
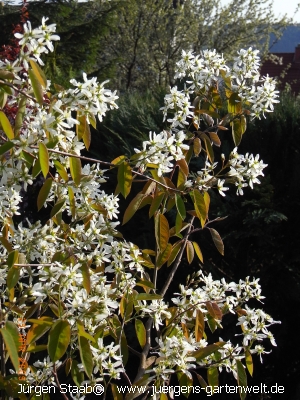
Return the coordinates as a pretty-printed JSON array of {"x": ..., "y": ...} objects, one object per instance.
[{"x": 178, "y": 260}]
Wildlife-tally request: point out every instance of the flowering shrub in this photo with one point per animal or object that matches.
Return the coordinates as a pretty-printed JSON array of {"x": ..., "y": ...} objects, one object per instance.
[{"x": 71, "y": 285}]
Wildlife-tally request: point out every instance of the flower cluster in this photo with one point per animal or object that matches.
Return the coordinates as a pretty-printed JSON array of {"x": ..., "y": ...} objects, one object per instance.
[
  {"x": 36, "y": 41},
  {"x": 161, "y": 149}
]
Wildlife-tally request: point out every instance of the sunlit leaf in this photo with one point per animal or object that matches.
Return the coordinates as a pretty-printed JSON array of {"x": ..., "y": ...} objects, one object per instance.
[
  {"x": 197, "y": 146},
  {"x": 161, "y": 231},
  {"x": 61, "y": 171},
  {"x": 208, "y": 350},
  {"x": 164, "y": 256},
  {"x": 140, "y": 332},
  {"x": 198, "y": 251},
  {"x": 124, "y": 178},
  {"x": 199, "y": 325},
  {"x": 20, "y": 115},
  {"x": 249, "y": 361},
  {"x": 75, "y": 169},
  {"x": 6, "y": 126},
  {"x": 208, "y": 147},
  {"x": 39, "y": 73},
  {"x": 36, "y": 86}
]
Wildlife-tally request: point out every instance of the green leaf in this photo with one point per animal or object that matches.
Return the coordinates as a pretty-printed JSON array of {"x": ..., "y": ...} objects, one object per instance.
[
  {"x": 124, "y": 178},
  {"x": 36, "y": 168},
  {"x": 20, "y": 115},
  {"x": 124, "y": 348},
  {"x": 75, "y": 169},
  {"x": 10, "y": 334},
  {"x": 189, "y": 252},
  {"x": 249, "y": 361},
  {"x": 12, "y": 258},
  {"x": 185, "y": 382},
  {"x": 72, "y": 201},
  {"x": 86, "y": 277},
  {"x": 86, "y": 355},
  {"x": 6, "y": 147},
  {"x": 208, "y": 350},
  {"x": 36, "y": 86},
  {"x": 61, "y": 170},
  {"x": 217, "y": 240},
  {"x": 140, "y": 332},
  {"x": 133, "y": 207},
  {"x": 4, "y": 122},
  {"x": 162, "y": 232},
  {"x": 241, "y": 378},
  {"x": 213, "y": 377},
  {"x": 83, "y": 130},
  {"x": 76, "y": 374},
  {"x": 83, "y": 333},
  {"x": 39, "y": 73},
  {"x": 13, "y": 277},
  {"x": 43, "y": 193},
  {"x": 59, "y": 339},
  {"x": 57, "y": 207},
  {"x": 180, "y": 206}
]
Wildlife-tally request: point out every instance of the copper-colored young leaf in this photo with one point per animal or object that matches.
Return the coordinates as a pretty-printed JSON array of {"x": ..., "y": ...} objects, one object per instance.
[
  {"x": 238, "y": 129},
  {"x": 44, "y": 159},
  {"x": 43, "y": 193},
  {"x": 117, "y": 395},
  {"x": 132, "y": 207},
  {"x": 199, "y": 325},
  {"x": 215, "y": 138},
  {"x": 208, "y": 147},
  {"x": 214, "y": 310},
  {"x": 38, "y": 329},
  {"x": 6, "y": 126},
  {"x": 36, "y": 86},
  {"x": 161, "y": 232},
  {"x": 217, "y": 240},
  {"x": 75, "y": 169},
  {"x": 124, "y": 178},
  {"x": 189, "y": 251},
  {"x": 156, "y": 202},
  {"x": 85, "y": 270},
  {"x": 197, "y": 146},
  {"x": 140, "y": 332},
  {"x": 183, "y": 166},
  {"x": 59, "y": 339}
]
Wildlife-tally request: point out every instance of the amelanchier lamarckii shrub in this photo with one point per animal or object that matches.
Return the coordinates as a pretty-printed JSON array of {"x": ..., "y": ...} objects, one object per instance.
[{"x": 70, "y": 286}]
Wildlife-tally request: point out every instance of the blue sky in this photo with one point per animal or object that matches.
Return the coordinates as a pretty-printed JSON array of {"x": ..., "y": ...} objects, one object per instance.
[{"x": 281, "y": 7}]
